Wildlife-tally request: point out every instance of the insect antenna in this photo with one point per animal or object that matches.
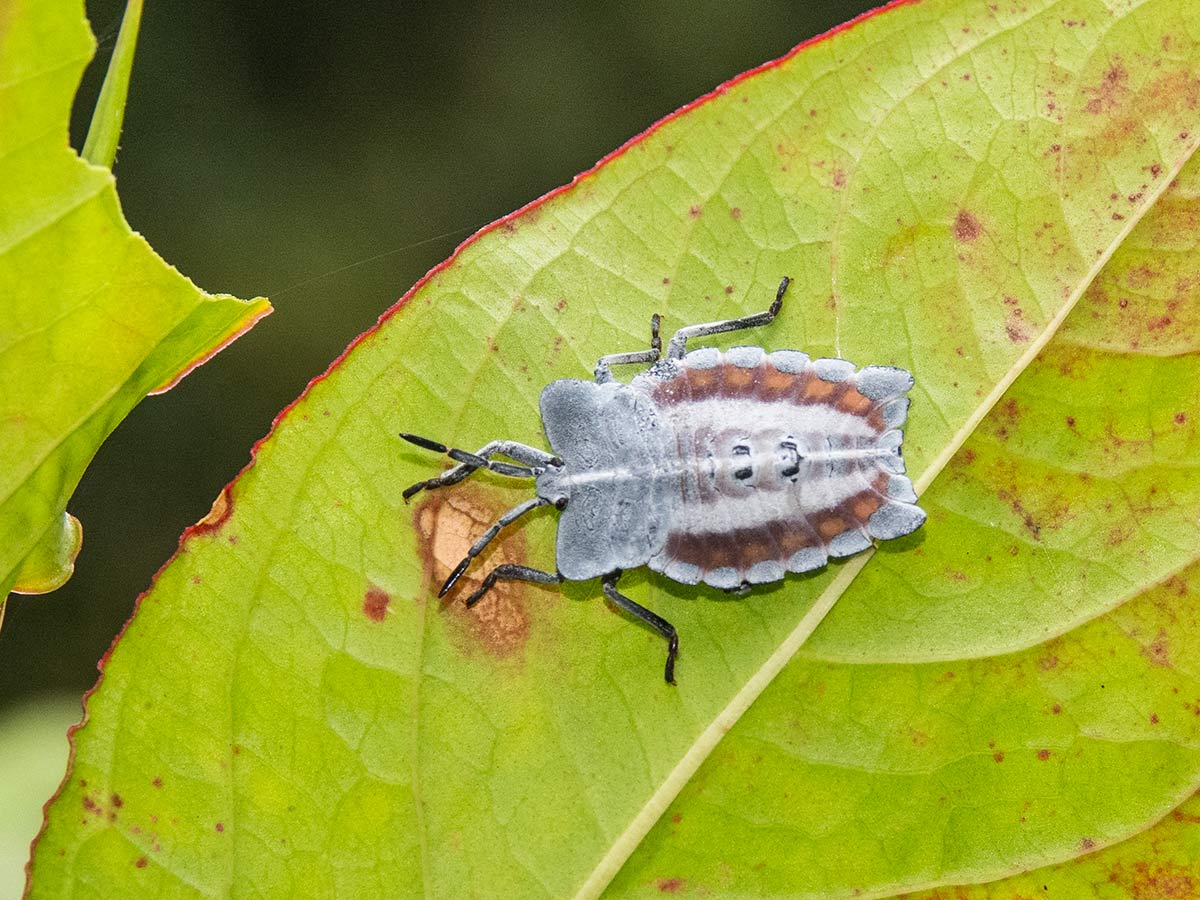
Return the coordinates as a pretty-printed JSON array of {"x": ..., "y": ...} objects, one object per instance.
[{"x": 508, "y": 518}]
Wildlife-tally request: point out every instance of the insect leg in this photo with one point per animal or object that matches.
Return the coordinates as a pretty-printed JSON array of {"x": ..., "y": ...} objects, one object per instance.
[
  {"x": 658, "y": 623},
  {"x": 604, "y": 364},
  {"x": 511, "y": 516},
  {"x": 678, "y": 345},
  {"x": 512, "y": 572},
  {"x": 533, "y": 458}
]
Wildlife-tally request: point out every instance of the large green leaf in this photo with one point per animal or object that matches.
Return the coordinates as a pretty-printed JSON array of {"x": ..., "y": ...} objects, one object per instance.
[
  {"x": 91, "y": 319},
  {"x": 1162, "y": 863},
  {"x": 291, "y": 713}
]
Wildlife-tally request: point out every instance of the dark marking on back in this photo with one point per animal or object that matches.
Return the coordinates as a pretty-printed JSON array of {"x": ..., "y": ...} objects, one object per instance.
[
  {"x": 767, "y": 384},
  {"x": 775, "y": 540}
]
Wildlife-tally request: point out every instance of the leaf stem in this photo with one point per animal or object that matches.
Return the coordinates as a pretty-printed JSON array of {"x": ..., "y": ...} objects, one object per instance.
[{"x": 104, "y": 133}]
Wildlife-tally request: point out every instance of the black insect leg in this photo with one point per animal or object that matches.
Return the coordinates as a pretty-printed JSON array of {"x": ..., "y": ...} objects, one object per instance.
[
  {"x": 513, "y": 572},
  {"x": 678, "y": 345},
  {"x": 604, "y": 364},
  {"x": 535, "y": 460},
  {"x": 508, "y": 518},
  {"x": 658, "y": 623}
]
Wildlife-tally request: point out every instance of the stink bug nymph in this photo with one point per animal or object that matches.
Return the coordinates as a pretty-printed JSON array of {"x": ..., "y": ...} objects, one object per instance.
[{"x": 725, "y": 468}]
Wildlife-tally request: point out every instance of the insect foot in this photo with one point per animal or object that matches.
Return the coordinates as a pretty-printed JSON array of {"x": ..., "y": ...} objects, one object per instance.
[{"x": 728, "y": 468}]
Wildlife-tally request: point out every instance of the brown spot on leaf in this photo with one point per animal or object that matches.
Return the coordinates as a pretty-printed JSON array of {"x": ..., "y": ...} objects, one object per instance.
[
  {"x": 1119, "y": 534},
  {"x": 220, "y": 827},
  {"x": 966, "y": 226},
  {"x": 141, "y": 862},
  {"x": 221, "y": 509},
  {"x": 1016, "y": 328},
  {"x": 375, "y": 603},
  {"x": 1158, "y": 651},
  {"x": 998, "y": 756},
  {"x": 1177, "y": 586},
  {"x": 695, "y": 212},
  {"x": 1031, "y": 525},
  {"x": 157, "y": 782},
  {"x": 670, "y": 885},
  {"x": 1106, "y": 95},
  {"x": 1146, "y": 881},
  {"x": 736, "y": 212},
  {"x": 447, "y": 524},
  {"x": 1180, "y": 418},
  {"x": 1043, "y": 755}
]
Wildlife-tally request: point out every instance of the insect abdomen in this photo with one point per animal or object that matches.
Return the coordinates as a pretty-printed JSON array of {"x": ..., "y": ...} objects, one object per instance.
[{"x": 782, "y": 462}]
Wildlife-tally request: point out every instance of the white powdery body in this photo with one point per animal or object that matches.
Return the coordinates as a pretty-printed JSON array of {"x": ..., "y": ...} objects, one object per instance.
[{"x": 728, "y": 468}]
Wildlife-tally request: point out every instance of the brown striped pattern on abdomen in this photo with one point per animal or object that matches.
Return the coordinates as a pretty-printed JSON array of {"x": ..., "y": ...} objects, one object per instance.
[{"x": 741, "y": 412}]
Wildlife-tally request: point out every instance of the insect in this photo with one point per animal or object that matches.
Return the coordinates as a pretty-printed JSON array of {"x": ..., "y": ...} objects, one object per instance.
[{"x": 725, "y": 468}]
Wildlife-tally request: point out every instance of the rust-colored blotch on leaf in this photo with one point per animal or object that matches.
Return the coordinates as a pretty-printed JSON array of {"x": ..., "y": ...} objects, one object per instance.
[
  {"x": 446, "y": 526},
  {"x": 375, "y": 604},
  {"x": 966, "y": 226}
]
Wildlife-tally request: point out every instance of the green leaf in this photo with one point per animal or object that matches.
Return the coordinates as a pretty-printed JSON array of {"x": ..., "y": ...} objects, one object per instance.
[
  {"x": 1162, "y": 862},
  {"x": 52, "y": 560},
  {"x": 92, "y": 320},
  {"x": 292, "y": 713}
]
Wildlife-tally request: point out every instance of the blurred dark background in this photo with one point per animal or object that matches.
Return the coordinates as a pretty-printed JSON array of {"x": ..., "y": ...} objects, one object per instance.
[{"x": 327, "y": 155}]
